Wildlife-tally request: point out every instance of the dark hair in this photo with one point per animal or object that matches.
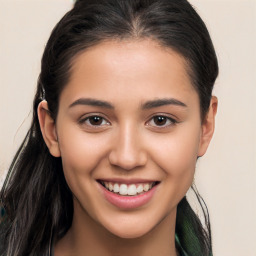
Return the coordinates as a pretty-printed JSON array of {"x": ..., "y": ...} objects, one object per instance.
[{"x": 35, "y": 196}]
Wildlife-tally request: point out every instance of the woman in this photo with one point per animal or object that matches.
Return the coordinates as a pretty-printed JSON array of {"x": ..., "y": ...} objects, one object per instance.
[{"x": 122, "y": 112}]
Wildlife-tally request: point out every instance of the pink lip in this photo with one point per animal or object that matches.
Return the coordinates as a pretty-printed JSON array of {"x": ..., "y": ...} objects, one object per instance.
[{"x": 128, "y": 202}]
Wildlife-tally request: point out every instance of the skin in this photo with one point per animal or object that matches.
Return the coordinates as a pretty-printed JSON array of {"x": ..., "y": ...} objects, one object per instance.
[{"x": 127, "y": 144}]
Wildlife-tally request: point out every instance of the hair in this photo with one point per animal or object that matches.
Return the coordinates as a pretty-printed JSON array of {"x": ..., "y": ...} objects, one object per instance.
[{"x": 36, "y": 198}]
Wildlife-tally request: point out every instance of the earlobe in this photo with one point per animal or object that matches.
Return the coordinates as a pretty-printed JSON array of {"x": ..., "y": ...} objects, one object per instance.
[
  {"x": 48, "y": 128},
  {"x": 208, "y": 126}
]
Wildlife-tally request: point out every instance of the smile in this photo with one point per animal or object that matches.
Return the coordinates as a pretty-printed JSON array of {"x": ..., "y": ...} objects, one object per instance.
[
  {"x": 128, "y": 195},
  {"x": 128, "y": 189}
]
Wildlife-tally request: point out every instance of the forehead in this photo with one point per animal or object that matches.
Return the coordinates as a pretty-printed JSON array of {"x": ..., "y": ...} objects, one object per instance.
[{"x": 117, "y": 69}]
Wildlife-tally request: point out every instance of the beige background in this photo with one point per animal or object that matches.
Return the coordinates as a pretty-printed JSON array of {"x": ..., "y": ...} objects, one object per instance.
[{"x": 226, "y": 176}]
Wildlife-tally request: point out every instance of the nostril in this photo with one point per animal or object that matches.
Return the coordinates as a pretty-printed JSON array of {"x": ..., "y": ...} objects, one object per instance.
[{"x": 127, "y": 161}]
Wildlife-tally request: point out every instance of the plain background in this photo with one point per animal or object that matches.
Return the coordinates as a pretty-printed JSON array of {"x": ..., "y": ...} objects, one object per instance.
[{"x": 226, "y": 175}]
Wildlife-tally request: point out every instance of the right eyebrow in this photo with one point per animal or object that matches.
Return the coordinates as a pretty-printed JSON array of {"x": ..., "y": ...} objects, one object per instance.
[
  {"x": 162, "y": 102},
  {"x": 92, "y": 102}
]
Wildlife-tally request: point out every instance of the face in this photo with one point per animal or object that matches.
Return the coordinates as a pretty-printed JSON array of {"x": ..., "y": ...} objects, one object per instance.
[{"x": 128, "y": 121}]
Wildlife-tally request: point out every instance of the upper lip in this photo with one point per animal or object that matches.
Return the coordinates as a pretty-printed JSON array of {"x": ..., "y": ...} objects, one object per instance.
[{"x": 127, "y": 181}]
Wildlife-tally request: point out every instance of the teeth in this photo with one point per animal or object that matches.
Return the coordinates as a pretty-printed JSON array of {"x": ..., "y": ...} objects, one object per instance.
[
  {"x": 110, "y": 187},
  {"x": 146, "y": 187},
  {"x": 131, "y": 189},
  {"x": 116, "y": 188},
  {"x": 123, "y": 189},
  {"x": 139, "y": 189}
]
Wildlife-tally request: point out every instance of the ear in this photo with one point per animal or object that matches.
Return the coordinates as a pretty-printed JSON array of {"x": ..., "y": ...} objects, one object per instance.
[
  {"x": 48, "y": 128},
  {"x": 208, "y": 126}
]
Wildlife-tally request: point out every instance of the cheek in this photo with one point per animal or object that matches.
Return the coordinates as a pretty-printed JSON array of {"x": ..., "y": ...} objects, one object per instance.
[
  {"x": 176, "y": 154},
  {"x": 80, "y": 151}
]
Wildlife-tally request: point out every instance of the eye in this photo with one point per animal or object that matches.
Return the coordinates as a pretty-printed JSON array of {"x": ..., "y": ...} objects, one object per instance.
[
  {"x": 94, "y": 121},
  {"x": 161, "y": 121}
]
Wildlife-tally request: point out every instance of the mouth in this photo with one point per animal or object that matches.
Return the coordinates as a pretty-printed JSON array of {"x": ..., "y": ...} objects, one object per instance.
[{"x": 131, "y": 189}]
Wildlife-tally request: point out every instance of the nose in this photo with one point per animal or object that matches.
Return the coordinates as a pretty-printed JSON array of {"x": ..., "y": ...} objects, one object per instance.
[{"x": 127, "y": 151}]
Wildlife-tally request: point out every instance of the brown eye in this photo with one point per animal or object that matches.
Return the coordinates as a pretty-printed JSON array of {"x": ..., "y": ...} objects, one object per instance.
[
  {"x": 95, "y": 120},
  {"x": 160, "y": 120}
]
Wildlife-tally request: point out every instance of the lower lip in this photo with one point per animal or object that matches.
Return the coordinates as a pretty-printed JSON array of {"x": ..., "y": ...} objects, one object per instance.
[{"x": 128, "y": 202}]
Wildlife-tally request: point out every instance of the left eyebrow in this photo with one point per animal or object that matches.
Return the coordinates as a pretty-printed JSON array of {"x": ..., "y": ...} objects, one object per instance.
[
  {"x": 162, "y": 102},
  {"x": 92, "y": 102}
]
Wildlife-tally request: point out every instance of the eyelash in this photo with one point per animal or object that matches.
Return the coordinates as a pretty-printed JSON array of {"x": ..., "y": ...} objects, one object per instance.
[{"x": 170, "y": 121}]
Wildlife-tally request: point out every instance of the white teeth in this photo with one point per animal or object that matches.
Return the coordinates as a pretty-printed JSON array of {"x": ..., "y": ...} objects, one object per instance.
[
  {"x": 139, "y": 189},
  {"x": 110, "y": 187},
  {"x": 123, "y": 190},
  {"x": 116, "y": 188},
  {"x": 146, "y": 187},
  {"x": 130, "y": 189}
]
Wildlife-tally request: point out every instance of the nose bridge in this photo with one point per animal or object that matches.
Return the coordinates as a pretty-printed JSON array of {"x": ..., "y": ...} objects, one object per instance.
[{"x": 127, "y": 151}]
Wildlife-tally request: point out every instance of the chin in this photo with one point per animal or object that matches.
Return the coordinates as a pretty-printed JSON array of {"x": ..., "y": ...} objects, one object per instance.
[
  {"x": 129, "y": 234},
  {"x": 129, "y": 231}
]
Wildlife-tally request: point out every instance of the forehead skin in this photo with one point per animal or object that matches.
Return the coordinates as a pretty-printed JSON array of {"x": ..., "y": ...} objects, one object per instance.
[{"x": 129, "y": 61}]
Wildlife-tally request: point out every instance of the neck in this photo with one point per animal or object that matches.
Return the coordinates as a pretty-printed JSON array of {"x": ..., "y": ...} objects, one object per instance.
[{"x": 87, "y": 237}]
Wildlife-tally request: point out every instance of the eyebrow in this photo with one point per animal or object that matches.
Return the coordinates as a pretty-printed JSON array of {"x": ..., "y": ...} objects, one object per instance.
[
  {"x": 146, "y": 105},
  {"x": 162, "y": 102},
  {"x": 92, "y": 102}
]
